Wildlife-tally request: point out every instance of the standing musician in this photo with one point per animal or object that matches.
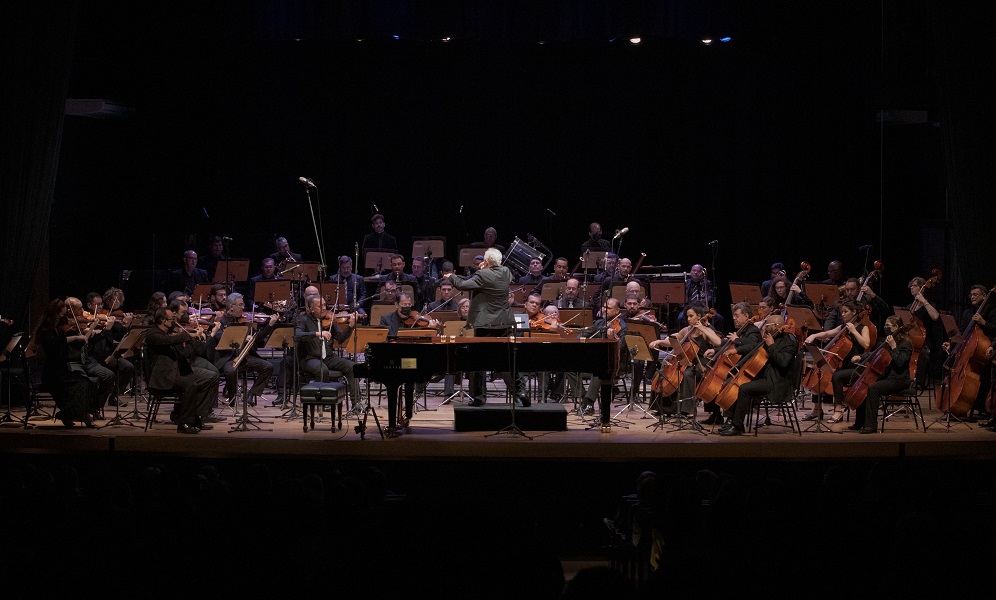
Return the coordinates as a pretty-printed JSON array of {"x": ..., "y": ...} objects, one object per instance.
[
  {"x": 742, "y": 341},
  {"x": 224, "y": 357},
  {"x": 704, "y": 337},
  {"x": 490, "y": 315},
  {"x": 860, "y": 342},
  {"x": 170, "y": 370},
  {"x": 595, "y": 240},
  {"x": 216, "y": 252},
  {"x": 378, "y": 239},
  {"x": 313, "y": 335},
  {"x": 774, "y": 381},
  {"x": 74, "y": 393},
  {"x": 895, "y": 378}
]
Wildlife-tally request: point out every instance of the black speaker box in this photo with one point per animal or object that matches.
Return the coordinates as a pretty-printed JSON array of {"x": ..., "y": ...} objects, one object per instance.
[{"x": 492, "y": 417}]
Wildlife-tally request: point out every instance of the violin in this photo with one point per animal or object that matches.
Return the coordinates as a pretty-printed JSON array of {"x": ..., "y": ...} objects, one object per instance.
[
  {"x": 415, "y": 319},
  {"x": 547, "y": 323}
]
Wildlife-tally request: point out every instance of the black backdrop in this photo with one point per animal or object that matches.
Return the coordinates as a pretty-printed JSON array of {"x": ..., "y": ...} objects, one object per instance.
[{"x": 769, "y": 144}]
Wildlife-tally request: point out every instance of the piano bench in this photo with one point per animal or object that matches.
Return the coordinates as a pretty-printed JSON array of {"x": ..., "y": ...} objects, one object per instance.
[{"x": 330, "y": 393}]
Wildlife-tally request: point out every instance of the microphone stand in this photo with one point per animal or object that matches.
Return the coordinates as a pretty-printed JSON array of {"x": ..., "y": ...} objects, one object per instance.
[{"x": 318, "y": 238}]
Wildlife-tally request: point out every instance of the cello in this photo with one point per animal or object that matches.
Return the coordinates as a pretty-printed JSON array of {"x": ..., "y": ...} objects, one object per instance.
[
  {"x": 834, "y": 351},
  {"x": 967, "y": 359},
  {"x": 668, "y": 378},
  {"x": 872, "y": 370},
  {"x": 752, "y": 366},
  {"x": 712, "y": 382}
]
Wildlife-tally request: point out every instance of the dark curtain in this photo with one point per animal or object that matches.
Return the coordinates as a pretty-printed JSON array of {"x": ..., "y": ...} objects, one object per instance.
[
  {"x": 37, "y": 43},
  {"x": 965, "y": 62}
]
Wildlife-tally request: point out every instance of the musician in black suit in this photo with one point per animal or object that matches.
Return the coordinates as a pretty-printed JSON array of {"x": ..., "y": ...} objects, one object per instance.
[
  {"x": 774, "y": 380},
  {"x": 316, "y": 354},
  {"x": 224, "y": 357},
  {"x": 396, "y": 321},
  {"x": 283, "y": 256},
  {"x": 187, "y": 277},
  {"x": 170, "y": 370},
  {"x": 490, "y": 314},
  {"x": 895, "y": 379},
  {"x": 378, "y": 239}
]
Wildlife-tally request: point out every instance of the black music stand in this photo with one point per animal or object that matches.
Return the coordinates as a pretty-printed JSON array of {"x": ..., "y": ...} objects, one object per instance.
[
  {"x": 282, "y": 337},
  {"x": 680, "y": 421},
  {"x": 7, "y": 357},
  {"x": 137, "y": 351},
  {"x": 638, "y": 349},
  {"x": 666, "y": 293},
  {"x": 824, "y": 367},
  {"x": 232, "y": 270},
  {"x": 245, "y": 421},
  {"x": 132, "y": 339},
  {"x": 232, "y": 339},
  {"x": 512, "y": 428},
  {"x": 360, "y": 338}
]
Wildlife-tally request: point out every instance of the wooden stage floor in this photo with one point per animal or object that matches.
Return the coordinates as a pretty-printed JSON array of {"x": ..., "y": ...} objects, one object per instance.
[{"x": 634, "y": 436}]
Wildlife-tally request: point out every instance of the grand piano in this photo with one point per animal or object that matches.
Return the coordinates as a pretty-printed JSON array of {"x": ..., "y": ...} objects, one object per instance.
[{"x": 418, "y": 360}]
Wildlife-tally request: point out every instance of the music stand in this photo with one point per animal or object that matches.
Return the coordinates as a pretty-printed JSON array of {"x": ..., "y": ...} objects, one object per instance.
[
  {"x": 819, "y": 363},
  {"x": 428, "y": 246},
  {"x": 302, "y": 271},
  {"x": 374, "y": 260},
  {"x": 271, "y": 291},
  {"x": 638, "y": 350},
  {"x": 745, "y": 292},
  {"x": 132, "y": 339},
  {"x": 282, "y": 337},
  {"x": 379, "y": 310},
  {"x": 232, "y": 270},
  {"x": 575, "y": 318},
  {"x": 822, "y": 294},
  {"x": 593, "y": 259},
  {"x": 201, "y": 293},
  {"x": 804, "y": 318},
  {"x": 466, "y": 254},
  {"x": 12, "y": 345},
  {"x": 666, "y": 293},
  {"x": 951, "y": 328},
  {"x": 333, "y": 293},
  {"x": 551, "y": 291}
]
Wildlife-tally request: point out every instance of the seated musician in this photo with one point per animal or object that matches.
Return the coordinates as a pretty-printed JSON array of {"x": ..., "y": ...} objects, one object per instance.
[
  {"x": 198, "y": 349},
  {"x": 268, "y": 272},
  {"x": 698, "y": 288},
  {"x": 702, "y": 337},
  {"x": 632, "y": 312},
  {"x": 216, "y": 252},
  {"x": 188, "y": 276},
  {"x": 637, "y": 288},
  {"x": 283, "y": 257},
  {"x": 216, "y": 300},
  {"x": 448, "y": 299},
  {"x": 404, "y": 317},
  {"x": 773, "y": 381},
  {"x": 114, "y": 373},
  {"x": 608, "y": 268},
  {"x": 170, "y": 370},
  {"x": 313, "y": 344},
  {"x": 423, "y": 284},
  {"x": 860, "y": 342},
  {"x": 397, "y": 273},
  {"x": 463, "y": 309},
  {"x": 571, "y": 298},
  {"x": 895, "y": 378},
  {"x": 559, "y": 276},
  {"x": 609, "y": 326},
  {"x": 546, "y": 319},
  {"x": 534, "y": 276},
  {"x": 743, "y": 340},
  {"x": 224, "y": 357}
]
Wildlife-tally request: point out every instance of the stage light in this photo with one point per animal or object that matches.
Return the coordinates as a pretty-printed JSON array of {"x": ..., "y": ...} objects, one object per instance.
[
  {"x": 635, "y": 40},
  {"x": 707, "y": 42},
  {"x": 725, "y": 39}
]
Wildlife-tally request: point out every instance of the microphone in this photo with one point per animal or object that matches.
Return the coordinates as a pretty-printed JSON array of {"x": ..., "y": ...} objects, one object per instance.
[
  {"x": 621, "y": 232},
  {"x": 551, "y": 212},
  {"x": 375, "y": 208},
  {"x": 307, "y": 182},
  {"x": 227, "y": 239},
  {"x": 206, "y": 215},
  {"x": 461, "y": 209},
  {"x": 714, "y": 242},
  {"x": 866, "y": 248}
]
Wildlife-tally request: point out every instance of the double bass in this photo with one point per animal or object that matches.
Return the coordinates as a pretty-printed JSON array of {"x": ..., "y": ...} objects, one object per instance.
[
  {"x": 967, "y": 359},
  {"x": 918, "y": 332},
  {"x": 871, "y": 370}
]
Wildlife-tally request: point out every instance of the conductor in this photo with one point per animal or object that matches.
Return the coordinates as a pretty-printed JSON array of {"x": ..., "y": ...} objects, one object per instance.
[{"x": 489, "y": 315}]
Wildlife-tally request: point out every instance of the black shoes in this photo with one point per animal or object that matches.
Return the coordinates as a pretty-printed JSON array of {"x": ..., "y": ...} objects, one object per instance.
[
  {"x": 212, "y": 418},
  {"x": 866, "y": 430},
  {"x": 731, "y": 429},
  {"x": 187, "y": 429},
  {"x": 523, "y": 400},
  {"x": 278, "y": 401},
  {"x": 478, "y": 401},
  {"x": 990, "y": 423},
  {"x": 854, "y": 427},
  {"x": 714, "y": 419}
]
